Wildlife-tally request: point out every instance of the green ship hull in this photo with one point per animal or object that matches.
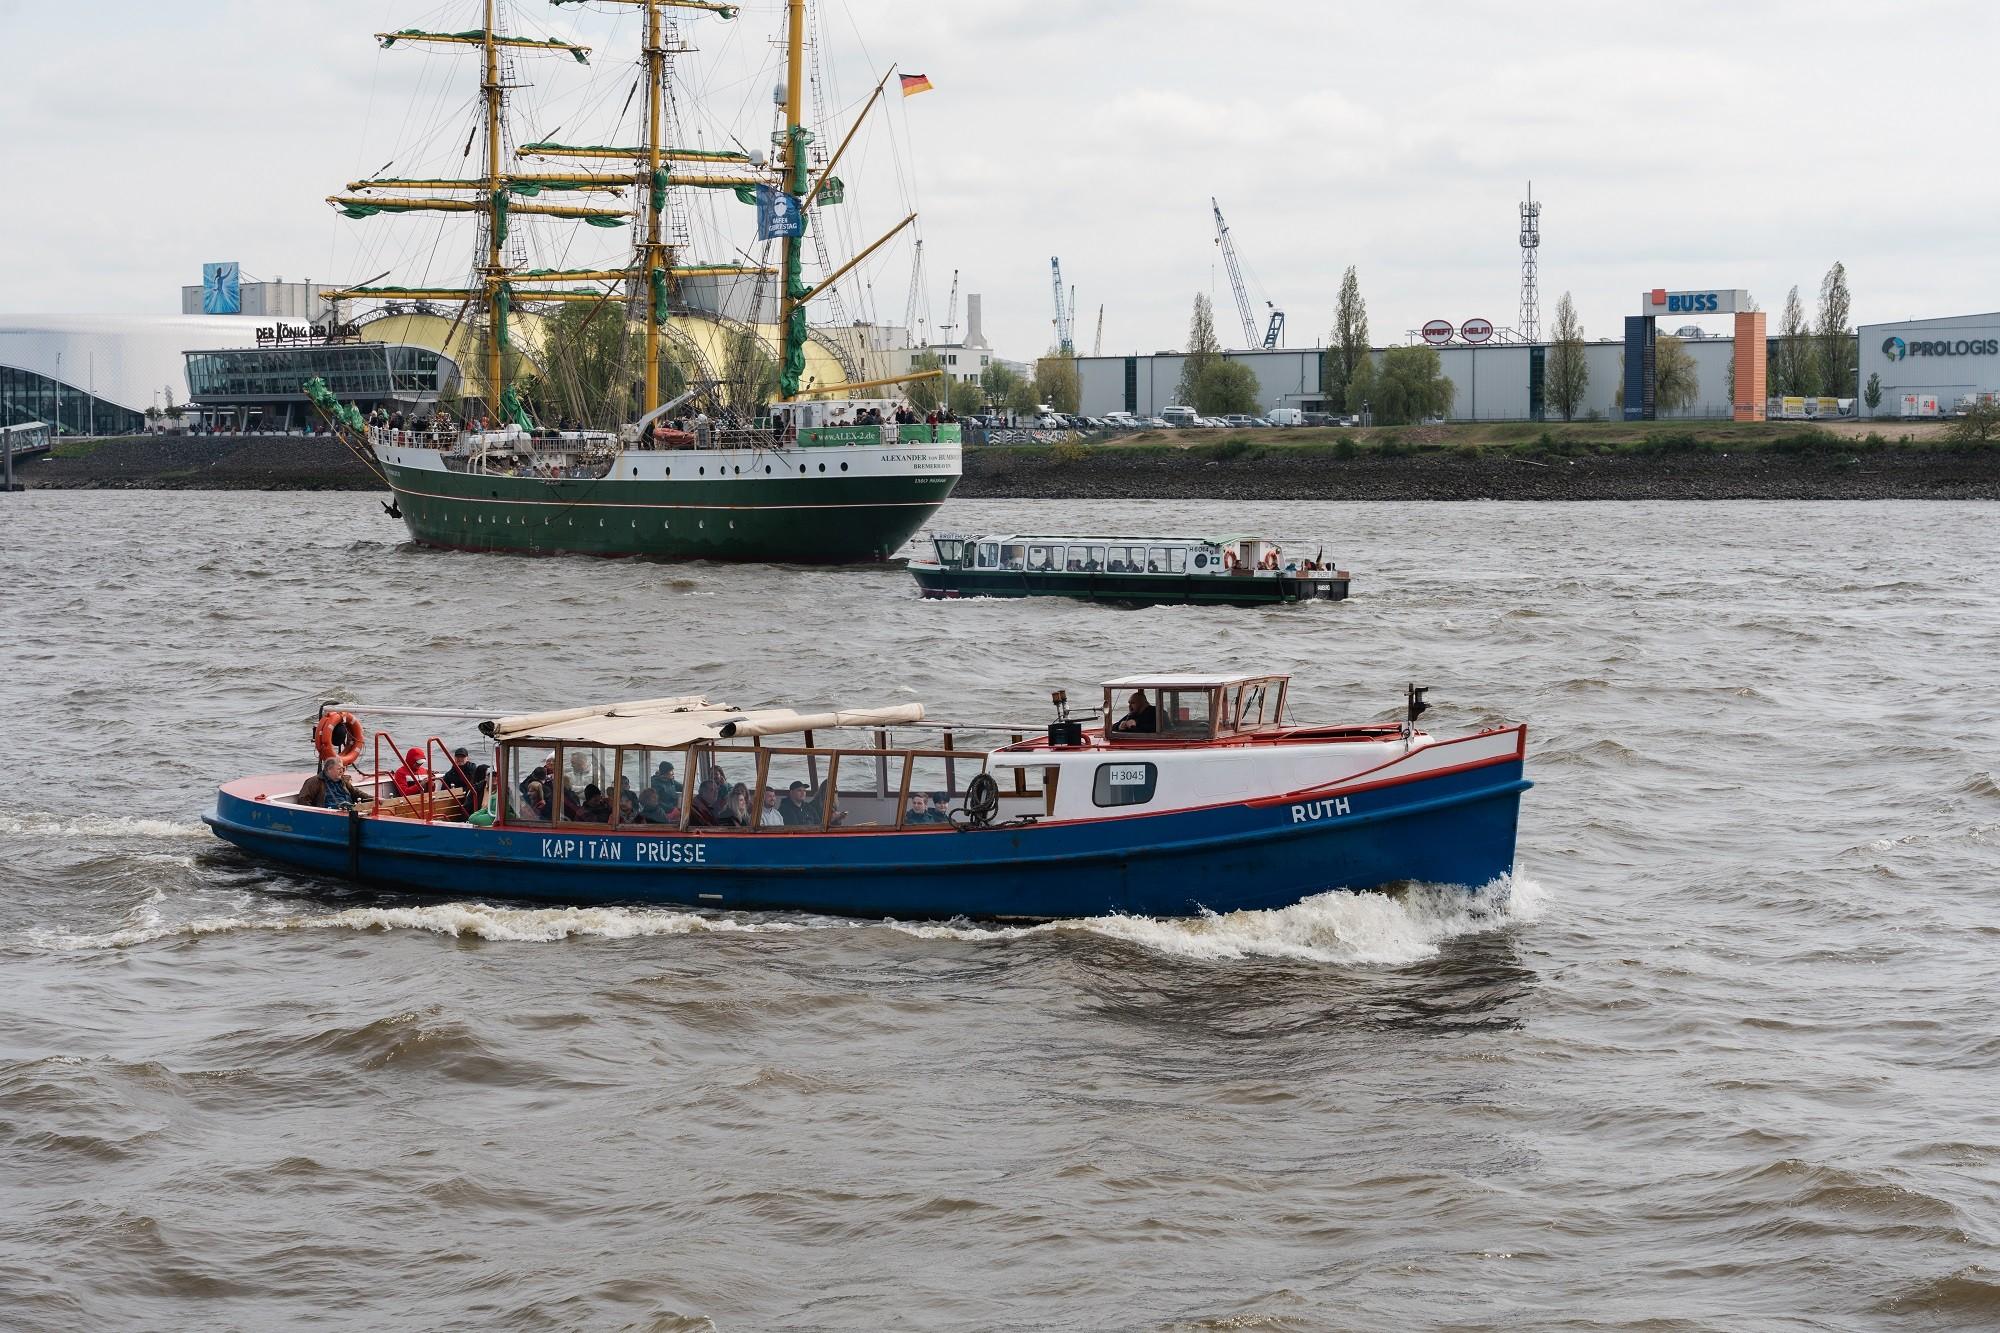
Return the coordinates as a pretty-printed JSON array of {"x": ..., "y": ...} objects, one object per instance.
[{"x": 803, "y": 520}]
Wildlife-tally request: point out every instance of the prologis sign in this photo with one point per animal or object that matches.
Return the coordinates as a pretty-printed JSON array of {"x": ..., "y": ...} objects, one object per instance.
[
  {"x": 1897, "y": 348},
  {"x": 1660, "y": 301}
]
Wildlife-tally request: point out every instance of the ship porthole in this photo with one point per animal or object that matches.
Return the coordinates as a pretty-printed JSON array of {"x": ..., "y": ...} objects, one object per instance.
[
  {"x": 843, "y": 467},
  {"x": 701, "y": 471},
  {"x": 802, "y": 469},
  {"x": 767, "y": 469},
  {"x": 701, "y": 523},
  {"x": 822, "y": 467},
  {"x": 670, "y": 472},
  {"x": 635, "y": 472}
]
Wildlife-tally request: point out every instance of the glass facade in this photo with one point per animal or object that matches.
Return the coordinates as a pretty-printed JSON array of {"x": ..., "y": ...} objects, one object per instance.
[
  {"x": 26, "y": 396},
  {"x": 361, "y": 373}
]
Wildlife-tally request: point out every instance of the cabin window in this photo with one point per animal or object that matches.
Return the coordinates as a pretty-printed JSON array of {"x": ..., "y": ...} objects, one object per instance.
[
  {"x": 724, "y": 782},
  {"x": 1186, "y": 712},
  {"x": 1086, "y": 559},
  {"x": 1013, "y": 556},
  {"x": 1252, "y": 713},
  {"x": 989, "y": 555},
  {"x": 1167, "y": 560},
  {"x": 1125, "y": 784},
  {"x": 1044, "y": 558},
  {"x": 794, "y": 791},
  {"x": 1230, "y": 701},
  {"x": 649, "y": 786},
  {"x": 525, "y": 788},
  {"x": 586, "y": 784},
  {"x": 931, "y": 786},
  {"x": 1125, "y": 560},
  {"x": 948, "y": 550}
]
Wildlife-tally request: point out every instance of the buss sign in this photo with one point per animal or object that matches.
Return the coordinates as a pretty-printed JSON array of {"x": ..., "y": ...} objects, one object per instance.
[
  {"x": 1476, "y": 330},
  {"x": 1660, "y": 301},
  {"x": 1438, "y": 332}
]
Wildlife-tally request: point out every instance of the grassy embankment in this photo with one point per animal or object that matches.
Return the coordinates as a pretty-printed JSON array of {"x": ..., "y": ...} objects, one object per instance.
[{"x": 1527, "y": 440}]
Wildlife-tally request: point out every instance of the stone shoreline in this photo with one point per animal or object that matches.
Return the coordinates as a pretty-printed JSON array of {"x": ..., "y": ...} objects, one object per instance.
[{"x": 1828, "y": 472}]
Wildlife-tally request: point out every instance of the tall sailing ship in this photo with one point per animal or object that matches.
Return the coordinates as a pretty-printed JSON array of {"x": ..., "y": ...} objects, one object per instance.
[{"x": 769, "y": 443}]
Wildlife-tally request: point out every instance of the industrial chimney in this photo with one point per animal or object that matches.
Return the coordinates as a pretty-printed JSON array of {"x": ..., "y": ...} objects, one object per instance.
[{"x": 974, "y": 336}]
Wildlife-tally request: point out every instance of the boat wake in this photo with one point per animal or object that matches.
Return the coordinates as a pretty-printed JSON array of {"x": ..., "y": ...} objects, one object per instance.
[
  {"x": 38, "y": 824},
  {"x": 1342, "y": 928}
]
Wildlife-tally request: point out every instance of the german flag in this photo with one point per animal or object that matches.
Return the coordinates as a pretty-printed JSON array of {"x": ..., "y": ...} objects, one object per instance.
[{"x": 915, "y": 83}]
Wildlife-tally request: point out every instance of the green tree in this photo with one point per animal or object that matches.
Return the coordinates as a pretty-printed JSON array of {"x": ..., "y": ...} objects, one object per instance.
[
  {"x": 966, "y": 398},
  {"x": 584, "y": 373},
  {"x": 1837, "y": 365},
  {"x": 1021, "y": 397},
  {"x": 998, "y": 383},
  {"x": 1411, "y": 386},
  {"x": 1873, "y": 396},
  {"x": 1567, "y": 373},
  {"x": 1347, "y": 349},
  {"x": 1676, "y": 383},
  {"x": 1979, "y": 424},
  {"x": 1203, "y": 350},
  {"x": 1058, "y": 384},
  {"x": 927, "y": 394},
  {"x": 1361, "y": 387},
  {"x": 1794, "y": 370},
  {"x": 749, "y": 374},
  {"x": 1226, "y": 387}
]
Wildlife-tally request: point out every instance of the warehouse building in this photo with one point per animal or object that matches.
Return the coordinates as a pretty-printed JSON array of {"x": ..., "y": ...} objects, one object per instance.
[{"x": 1929, "y": 366}]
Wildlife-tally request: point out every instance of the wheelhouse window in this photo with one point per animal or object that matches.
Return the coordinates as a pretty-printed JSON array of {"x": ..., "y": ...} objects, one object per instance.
[
  {"x": 949, "y": 549},
  {"x": 1251, "y": 714},
  {"x": 1124, "y": 784},
  {"x": 1186, "y": 713}
]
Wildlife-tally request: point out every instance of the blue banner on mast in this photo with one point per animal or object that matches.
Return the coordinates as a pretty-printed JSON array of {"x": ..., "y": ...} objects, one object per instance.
[{"x": 778, "y": 214}]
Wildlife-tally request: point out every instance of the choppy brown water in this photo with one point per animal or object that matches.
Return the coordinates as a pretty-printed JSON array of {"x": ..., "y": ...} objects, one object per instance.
[{"x": 1725, "y": 1057}]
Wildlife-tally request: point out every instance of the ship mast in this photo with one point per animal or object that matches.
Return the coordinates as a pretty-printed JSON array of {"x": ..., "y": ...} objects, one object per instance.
[
  {"x": 494, "y": 275},
  {"x": 653, "y": 259},
  {"x": 792, "y": 308}
]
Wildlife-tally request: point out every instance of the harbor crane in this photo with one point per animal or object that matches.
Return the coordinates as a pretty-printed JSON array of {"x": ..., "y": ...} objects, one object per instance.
[
  {"x": 1065, "y": 345},
  {"x": 1276, "y": 328},
  {"x": 950, "y": 326}
]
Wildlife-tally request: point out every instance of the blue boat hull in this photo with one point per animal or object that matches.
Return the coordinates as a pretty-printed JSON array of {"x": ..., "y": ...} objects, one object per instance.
[{"x": 1452, "y": 828}]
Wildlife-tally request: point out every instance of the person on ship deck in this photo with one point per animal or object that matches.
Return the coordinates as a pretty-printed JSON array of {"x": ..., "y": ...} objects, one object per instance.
[
  {"x": 329, "y": 788},
  {"x": 1140, "y": 715}
]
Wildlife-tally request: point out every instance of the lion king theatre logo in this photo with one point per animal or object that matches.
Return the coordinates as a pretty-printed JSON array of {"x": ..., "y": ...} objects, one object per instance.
[{"x": 1894, "y": 348}]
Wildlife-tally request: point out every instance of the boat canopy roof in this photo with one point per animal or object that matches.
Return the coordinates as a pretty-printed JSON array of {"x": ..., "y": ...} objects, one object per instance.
[
  {"x": 1128, "y": 539},
  {"x": 1185, "y": 681},
  {"x": 665, "y": 724}
]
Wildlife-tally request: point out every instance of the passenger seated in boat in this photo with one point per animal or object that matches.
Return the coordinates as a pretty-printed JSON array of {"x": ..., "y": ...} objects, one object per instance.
[
  {"x": 596, "y": 805},
  {"x": 921, "y": 812},
  {"x": 797, "y": 808},
  {"x": 329, "y": 789},
  {"x": 651, "y": 811},
  {"x": 705, "y": 808},
  {"x": 666, "y": 786},
  {"x": 466, "y": 776},
  {"x": 411, "y": 777},
  {"x": 1140, "y": 715}
]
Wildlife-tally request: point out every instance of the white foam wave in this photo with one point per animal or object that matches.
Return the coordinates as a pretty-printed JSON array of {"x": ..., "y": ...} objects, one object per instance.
[
  {"x": 37, "y": 824},
  {"x": 1363, "y": 928},
  {"x": 1366, "y": 928}
]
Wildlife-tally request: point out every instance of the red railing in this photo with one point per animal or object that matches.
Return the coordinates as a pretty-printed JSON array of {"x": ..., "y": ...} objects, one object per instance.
[{"x": 427, "y": 795}]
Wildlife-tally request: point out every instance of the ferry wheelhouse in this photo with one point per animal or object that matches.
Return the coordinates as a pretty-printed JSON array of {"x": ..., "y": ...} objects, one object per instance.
[
  {"x": 1184, "y": 794},
  {"x": 1225, "y": 571}
]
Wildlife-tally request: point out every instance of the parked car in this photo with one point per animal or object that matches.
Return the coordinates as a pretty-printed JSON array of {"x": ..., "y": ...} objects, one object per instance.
[
  {"x": 1287, "y": 416},
  {"x": 1179, "y": 416}
]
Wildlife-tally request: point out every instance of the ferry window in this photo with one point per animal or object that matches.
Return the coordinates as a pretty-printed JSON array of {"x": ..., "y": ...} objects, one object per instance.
[
  {"x": 1201, "y": 560},
  {"x": 649, "y": 782},
  {"x": 1125, "y": 559},
  {"x": 1167, "y": 560},
  {"x": 1044, "y": 557},
  {"x": 586, "y": 785},
  {"x": 1125, "y": 784},
  {"x": 794, "y": 792},
  {"x": 1012, "y": 556},
  {"x": 525, "y": 787},
  {"x": 1229, "y": 704},
  {"x": 989, "y": 555},
  {"x": 1186, "y": 712},
  {"x": 948, "y": 550},
  {"x": 1252, "y": 713},
  {"x": 932, "y": 788},
  {"x": 1086, "y": 559}
]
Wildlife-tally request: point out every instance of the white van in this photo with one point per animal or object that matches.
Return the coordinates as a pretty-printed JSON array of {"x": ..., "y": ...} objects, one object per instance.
[
  {"x": 1179, "y": 416},
  {"x": 1285, "y": 416}
]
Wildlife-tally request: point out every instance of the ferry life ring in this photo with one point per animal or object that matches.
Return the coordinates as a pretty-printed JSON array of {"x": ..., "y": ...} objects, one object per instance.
[
  {"x": 338, "y": 736},
  {"x": 1270, "y": 560},
  {"x": 1229, "y": 561}
]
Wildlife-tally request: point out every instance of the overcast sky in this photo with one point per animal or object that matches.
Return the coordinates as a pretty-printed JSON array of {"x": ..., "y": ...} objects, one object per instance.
[{"x": 1687, "y": 144}]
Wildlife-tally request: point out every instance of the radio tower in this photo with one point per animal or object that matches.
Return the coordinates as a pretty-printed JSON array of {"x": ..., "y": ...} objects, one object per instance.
[{"x": 1531, "y": 244}]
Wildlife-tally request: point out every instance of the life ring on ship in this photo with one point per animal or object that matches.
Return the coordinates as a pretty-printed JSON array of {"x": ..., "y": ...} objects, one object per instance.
[
  {"x": 338, "y": 736},
  {"x": 1229, "y": 561}
]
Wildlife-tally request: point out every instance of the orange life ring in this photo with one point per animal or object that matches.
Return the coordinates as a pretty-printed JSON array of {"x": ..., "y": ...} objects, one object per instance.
[
  {"x": 332, "y": 729},
  {"x": 1229, "y": 560}
]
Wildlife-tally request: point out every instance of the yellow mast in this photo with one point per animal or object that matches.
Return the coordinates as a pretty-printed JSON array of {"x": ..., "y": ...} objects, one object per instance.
[
  {"x": 495, "y": 273},
  {"x": 655, "y": 261}
]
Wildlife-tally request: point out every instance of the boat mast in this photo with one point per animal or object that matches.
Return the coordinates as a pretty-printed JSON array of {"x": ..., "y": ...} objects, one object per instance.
[
  {"x": 792, "y": 310},
  {"x": 653, "y": 294},
  {"x": 495, "y": 272}
]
